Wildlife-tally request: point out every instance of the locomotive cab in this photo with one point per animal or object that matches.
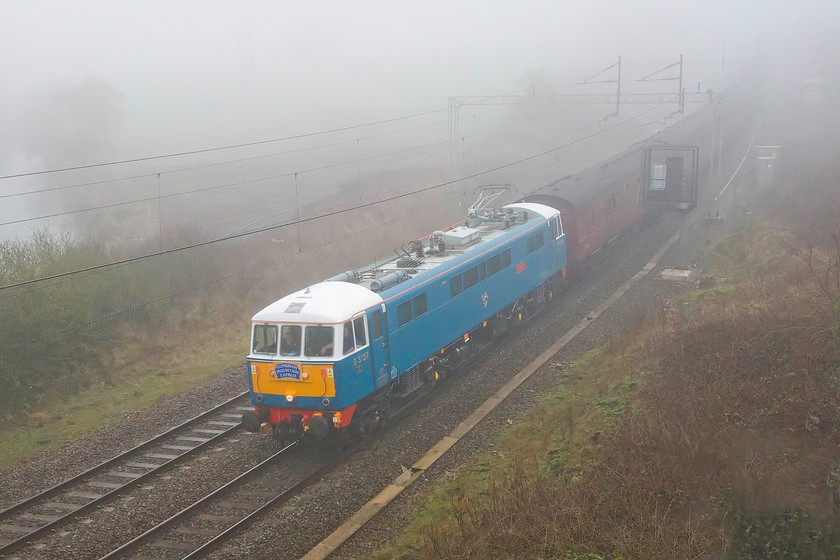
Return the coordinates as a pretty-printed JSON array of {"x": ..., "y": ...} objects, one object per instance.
[
  {"x": 306, "y": 349},
  {"x": 335, "y": 358}
]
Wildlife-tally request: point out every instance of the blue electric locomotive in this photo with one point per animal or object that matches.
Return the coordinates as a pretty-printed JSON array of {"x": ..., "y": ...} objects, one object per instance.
[{"x": 330, "y": 359}]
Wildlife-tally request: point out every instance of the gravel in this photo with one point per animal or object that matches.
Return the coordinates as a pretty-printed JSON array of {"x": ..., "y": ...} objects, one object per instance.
[
  {"x": 340, "y": 494},
  {"x": 299, "y": 525}
]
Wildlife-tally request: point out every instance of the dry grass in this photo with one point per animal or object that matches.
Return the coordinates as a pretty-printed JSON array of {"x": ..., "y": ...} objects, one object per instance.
[
  {"x": 158, "y": 350},
  {"x": 709, "y": 433}
]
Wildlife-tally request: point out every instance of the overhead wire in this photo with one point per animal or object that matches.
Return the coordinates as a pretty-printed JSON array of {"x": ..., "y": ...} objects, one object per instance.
[
  {"x": 204, "y": 189},
  {"x": 328, "y": 213},
  {"x": 214, "y": 164},
  {"x": 231, "y": 146},
  {"x": 110, "y": 316},
  {"x": 216, "y": 149},
  {"x": 65, "y": 279},
  {"x": 142, "y": 305},
  {"x": 215, "y": 187},
  {"x": 90, "y": 270}
]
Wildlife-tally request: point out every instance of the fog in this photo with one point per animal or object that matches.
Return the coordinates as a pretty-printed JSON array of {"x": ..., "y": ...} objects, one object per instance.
[{"x": 91, "y": 82}]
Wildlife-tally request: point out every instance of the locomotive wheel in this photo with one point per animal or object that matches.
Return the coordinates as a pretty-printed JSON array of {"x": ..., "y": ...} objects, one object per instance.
[
  {"x": 369, "y": 422},
  {"x": 281, "y": 433}
]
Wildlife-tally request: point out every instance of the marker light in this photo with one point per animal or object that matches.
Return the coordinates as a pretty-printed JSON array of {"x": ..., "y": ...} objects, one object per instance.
[{"x": 289, "y": 398}]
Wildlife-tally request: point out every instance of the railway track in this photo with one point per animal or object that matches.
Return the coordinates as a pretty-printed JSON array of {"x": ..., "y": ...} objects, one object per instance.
[
  {"x": 214, "y": 519},
  {"x": 209, "y": 521},
  {"x": 42, "y": 514}
]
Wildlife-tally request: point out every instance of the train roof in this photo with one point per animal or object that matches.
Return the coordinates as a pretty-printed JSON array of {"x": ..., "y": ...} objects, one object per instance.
[
  {"x": 576, "y": 189},
  {"x": 339, "y": 298},
  {"x": 483, "y": 231},
  {"x": 573, "y": 191},
  {"x": 325, "y": 302}
]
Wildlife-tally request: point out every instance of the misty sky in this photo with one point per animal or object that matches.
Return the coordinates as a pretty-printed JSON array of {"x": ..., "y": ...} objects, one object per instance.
[
  {"x": 92, "y": 81},
  {"x": 229, "y": 71}
]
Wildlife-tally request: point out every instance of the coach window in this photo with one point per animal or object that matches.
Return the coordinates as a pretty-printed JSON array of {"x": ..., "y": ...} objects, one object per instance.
[
  {"x": 290, "y": 336},
  {"x": 403, "y": 313},
  {"x": 265, "y": 339},
  {"x": 455, "y": 286}
]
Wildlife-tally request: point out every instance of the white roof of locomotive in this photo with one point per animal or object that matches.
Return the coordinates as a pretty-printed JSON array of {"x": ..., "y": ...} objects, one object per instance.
[
  {"x": 337, "y": 301},
  {"x": 541, "y": 209},
  {"x": 325, "y": 302}
]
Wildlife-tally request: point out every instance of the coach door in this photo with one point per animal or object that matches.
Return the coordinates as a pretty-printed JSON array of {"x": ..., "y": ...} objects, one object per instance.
[{"x": 379, "y": 347}]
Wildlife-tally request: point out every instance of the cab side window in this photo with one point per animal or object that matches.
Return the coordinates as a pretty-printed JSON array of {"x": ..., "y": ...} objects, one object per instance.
[
  {"x": 359, "y": 329},
  {"x": 376, "y": 326}
]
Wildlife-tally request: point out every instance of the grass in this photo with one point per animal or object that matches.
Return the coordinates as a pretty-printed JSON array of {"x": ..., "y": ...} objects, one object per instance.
[
  {"x": 81, "y": 351},
  {"x": 558, "y": 437},
  {"x": 708, "y": 429},
  {"x": 101, "y": 404}
]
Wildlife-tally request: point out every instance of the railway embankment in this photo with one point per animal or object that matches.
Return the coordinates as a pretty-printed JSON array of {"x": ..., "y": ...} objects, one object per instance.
[{"x": 704, "y": 427}]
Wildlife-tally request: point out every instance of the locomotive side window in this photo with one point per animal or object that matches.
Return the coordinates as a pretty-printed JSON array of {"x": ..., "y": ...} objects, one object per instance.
[
  {"x": 319, "y": 341},
  {"x": 265, "y": 339},
  {"x": 470, "y": 277},
  {"x": 482, "y": 271},
  {"x": 494, "y": 265},
  {"x": 290, "y": 336},
  {"x": 558, "y": 227},
  {"x": 420, "y": 305},
  {"x": 535, "y": 242},
  {"x": 506, "y": 258},
  {"x": 455, "y": 286},
  {"x": 377, "y": 324},
  {"x": 361, "y": 332},
  {"x": 353, "y": 335},
  {"x": 403, "y": 313}
]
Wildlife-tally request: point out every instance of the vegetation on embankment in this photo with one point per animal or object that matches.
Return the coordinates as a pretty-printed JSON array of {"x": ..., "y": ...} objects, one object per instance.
[
  {"x": 79, "y": 348},
  {"x": 76, "y": 349},
  {"x": 711, "y": 431}
]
